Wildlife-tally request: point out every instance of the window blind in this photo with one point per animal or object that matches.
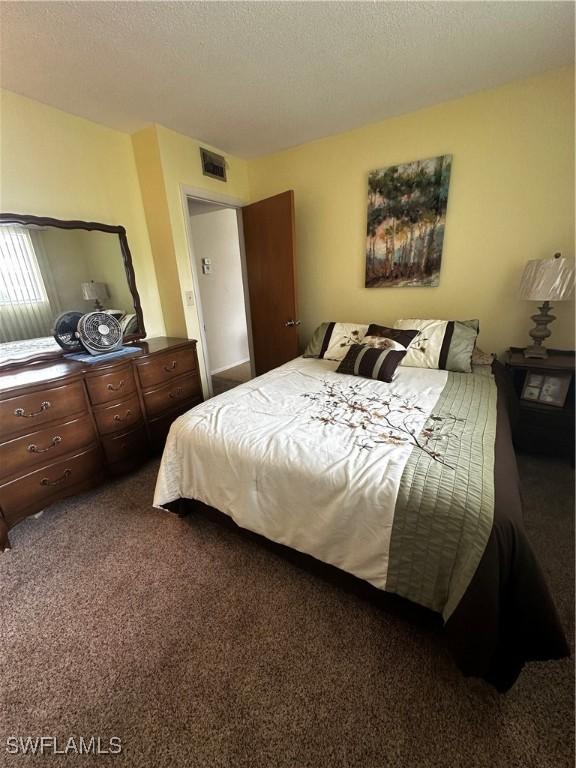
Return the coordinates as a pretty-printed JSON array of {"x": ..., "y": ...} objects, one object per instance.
[{"x": 25, "y": 310}]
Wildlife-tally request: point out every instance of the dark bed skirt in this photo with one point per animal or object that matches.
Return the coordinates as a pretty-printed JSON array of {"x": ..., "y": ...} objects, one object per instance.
[{"x": 506, "y": 617}]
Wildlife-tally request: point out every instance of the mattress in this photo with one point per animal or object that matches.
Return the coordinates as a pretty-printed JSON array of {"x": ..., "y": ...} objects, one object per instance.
[{"x": 410, "y": 486}]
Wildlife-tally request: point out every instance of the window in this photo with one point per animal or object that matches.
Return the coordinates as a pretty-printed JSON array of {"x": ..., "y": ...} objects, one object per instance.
[{"x": 20, "y": 277}]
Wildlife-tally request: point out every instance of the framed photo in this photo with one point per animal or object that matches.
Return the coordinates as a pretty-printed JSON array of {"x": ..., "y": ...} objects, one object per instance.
[{"x": 549, "y": 389}]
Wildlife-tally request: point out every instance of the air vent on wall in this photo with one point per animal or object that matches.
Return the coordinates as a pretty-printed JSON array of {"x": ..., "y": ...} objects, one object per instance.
[{"x": 213, "y": 165}]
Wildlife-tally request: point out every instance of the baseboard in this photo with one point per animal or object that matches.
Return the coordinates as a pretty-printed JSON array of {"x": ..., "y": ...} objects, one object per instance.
[{"x": 232, "y": 365}]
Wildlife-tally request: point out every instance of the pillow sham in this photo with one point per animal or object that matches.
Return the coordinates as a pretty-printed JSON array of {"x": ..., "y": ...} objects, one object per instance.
[
  {"x": 402, "y": 335},
  {"x": 443, "y": 344},
  {"x": 372, "y": 362},
  {"x": 315, "y": 344},
  {"x": 332, "y": 340}
]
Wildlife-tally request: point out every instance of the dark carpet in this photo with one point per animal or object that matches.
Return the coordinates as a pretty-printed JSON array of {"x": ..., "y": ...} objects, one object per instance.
[{"x": 199, "y": 647}]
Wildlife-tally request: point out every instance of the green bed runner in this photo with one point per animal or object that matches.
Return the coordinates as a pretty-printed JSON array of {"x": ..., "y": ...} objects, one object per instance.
[{"x": 444, "y": 510}]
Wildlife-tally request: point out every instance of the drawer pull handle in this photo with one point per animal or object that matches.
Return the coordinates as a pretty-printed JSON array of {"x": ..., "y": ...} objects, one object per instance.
[
  {"x": 35, "y": 449},
  {"x": 43, "y": 407},
  {"x": 170, "y": 367},
  {"x": 176, "y": 393},
  {"x": 123, "y": 418},
  {"x": 65, "y": 476},
  {"x": 115, "y": 387}
]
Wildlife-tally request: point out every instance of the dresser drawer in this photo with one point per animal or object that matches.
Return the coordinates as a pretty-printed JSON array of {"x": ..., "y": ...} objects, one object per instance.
[
  {"x": 160, "y": 427},
  {"x": 126, "y": 445},
  {"x": 48, "y": 483},
  {"x": 118, "y": 417},
  {"x": 173, "y": 395},
  {"x": 165, "y": 367},
  {"x": 24, "y": 453},
  {"x": 111, "y": 386},
  {"x": 25, "y": 412}
]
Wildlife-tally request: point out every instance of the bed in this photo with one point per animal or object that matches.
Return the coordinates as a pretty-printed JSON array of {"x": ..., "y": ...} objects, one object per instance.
[{"x": 410, "y": 486}]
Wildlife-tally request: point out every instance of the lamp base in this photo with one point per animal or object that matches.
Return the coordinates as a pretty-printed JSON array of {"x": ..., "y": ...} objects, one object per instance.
[
  {"x": 540, "y": 332},
  {"x": 535, "y": 351}
]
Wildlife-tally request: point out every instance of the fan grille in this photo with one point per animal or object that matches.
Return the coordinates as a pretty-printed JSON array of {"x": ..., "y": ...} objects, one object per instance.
[
  {"x": 65, "y": 327},
  {"x": 99, "y": 332}
]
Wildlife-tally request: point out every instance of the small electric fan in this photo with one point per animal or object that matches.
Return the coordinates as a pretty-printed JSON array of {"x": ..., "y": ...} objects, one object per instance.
[
  {"x": 65, "y": 327},
  {"x": 99, "y": 332}
]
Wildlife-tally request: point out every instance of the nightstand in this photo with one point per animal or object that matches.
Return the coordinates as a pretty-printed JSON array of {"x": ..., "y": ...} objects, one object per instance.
[{"x": 542, "y": 427}]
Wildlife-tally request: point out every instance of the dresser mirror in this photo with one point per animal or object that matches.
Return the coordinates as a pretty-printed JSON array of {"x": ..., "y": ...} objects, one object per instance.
[{"x": 48, "y": 267}]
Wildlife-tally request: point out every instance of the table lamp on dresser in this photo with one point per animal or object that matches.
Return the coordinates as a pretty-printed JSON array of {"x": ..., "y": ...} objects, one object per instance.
[{"x": 545, "y": 280}]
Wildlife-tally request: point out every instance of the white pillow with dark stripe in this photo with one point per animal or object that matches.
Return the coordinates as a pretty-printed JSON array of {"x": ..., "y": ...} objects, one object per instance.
[
  {"x": 373, "y": 362},
  {"x": 331, "y": 341},
  {"x": 443, "y": 344}
]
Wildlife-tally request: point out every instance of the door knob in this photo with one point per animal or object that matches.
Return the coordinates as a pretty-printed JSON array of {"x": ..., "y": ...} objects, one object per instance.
[{"x": 290, "y": 323}]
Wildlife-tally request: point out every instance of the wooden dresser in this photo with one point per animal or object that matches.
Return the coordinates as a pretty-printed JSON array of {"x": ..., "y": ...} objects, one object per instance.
[{"x": 66, "y": 426}]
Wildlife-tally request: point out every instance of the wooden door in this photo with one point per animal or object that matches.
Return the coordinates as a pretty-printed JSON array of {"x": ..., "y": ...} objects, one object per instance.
[{"x": 269, "y": 245}]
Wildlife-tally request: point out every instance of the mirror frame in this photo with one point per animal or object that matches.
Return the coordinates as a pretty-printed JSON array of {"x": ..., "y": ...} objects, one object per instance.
[{"x": 46, "y": 221}]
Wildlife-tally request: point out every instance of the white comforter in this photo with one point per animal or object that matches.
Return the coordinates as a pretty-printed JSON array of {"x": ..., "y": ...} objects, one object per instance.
[{"x": 297, "y": 470}]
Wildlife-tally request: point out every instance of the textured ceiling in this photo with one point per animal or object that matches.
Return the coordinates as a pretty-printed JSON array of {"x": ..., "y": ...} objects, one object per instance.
[{"x": 256, "y": 77}]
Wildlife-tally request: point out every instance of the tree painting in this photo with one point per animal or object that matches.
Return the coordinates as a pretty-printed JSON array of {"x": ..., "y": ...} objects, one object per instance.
[{"x": 406, "y": 220}]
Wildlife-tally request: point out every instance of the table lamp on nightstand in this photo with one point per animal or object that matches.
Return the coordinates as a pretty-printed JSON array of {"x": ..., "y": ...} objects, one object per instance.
[
  {"x": 96, "y": 292},
  {"x": 545, "y": 280}
]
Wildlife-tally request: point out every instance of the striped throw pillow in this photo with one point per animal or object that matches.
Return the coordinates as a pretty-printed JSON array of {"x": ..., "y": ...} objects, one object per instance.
[
  {"x": 373, "y": 362},
  {"x": 403, "y": 336}
]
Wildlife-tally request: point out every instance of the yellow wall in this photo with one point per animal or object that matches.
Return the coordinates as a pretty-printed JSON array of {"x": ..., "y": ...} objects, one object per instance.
[
  {"x": 182, "y": 168},
  {"x": 511, "y": 199},
  {"x": 168, "y": 162},
  {"x": 151, "y": 176},
  {"x": 55, "y": 164}
]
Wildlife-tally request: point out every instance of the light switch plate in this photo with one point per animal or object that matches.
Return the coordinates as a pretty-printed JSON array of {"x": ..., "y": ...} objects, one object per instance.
[{"x": 189, "y": 297}]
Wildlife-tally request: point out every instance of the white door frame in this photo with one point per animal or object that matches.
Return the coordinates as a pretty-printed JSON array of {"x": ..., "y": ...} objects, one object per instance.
[{"x": 225, "y": 201}]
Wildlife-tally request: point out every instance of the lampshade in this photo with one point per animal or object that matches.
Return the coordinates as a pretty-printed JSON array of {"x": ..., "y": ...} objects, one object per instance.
[
  {"x": 94, "y": 291},
  {"x": 547, "y": 280}
]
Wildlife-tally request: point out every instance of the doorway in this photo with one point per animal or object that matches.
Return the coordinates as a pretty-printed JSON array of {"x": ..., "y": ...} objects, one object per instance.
[
  {"x": 217, "y": 264},
  {"x": 262, "y": 290}
]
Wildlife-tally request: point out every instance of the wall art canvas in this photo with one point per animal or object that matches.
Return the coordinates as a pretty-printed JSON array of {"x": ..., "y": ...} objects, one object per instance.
[{"x": 406, "y": 220}]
